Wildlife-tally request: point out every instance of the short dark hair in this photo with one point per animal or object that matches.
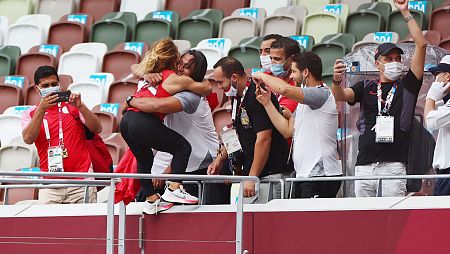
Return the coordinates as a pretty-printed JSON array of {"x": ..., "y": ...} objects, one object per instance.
[
  {"x": 200, "y": 64},
  {"x": 230, "y": 66},
  {"x": 290, "y": 46},
  {"x": 310, "y": 61},
  {"x": 272, "y": 37},
  {"x": 44, "y": 72}
]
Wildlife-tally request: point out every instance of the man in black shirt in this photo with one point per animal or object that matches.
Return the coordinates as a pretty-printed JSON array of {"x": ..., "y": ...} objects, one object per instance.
[
  {"x": 387, "y": 108},
  {"x": 264, "y": 150}
]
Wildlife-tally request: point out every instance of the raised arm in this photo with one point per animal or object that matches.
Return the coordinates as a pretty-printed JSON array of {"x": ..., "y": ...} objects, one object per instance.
[
  {"x": 31, "y": 131},
  {"x": 177, "y": 83},
  {"x": 340, "y": 93},
  {"x": 283, "y": 125},
  {"x": 418, "y": 59},
  {"x": 279, "y": 86}
]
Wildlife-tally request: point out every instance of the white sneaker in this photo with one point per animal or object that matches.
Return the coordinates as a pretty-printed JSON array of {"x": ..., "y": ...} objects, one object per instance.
[
  {"x": 179, "y": 196},
  {"x": 156, "y": 207}
]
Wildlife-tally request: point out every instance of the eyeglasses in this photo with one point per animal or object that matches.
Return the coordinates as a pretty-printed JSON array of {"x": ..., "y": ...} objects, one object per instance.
[{"x": 187, "y": 65}]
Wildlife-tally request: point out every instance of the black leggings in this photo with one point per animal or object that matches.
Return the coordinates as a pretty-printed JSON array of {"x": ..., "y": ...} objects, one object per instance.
[{"x": 144, "y": 131}]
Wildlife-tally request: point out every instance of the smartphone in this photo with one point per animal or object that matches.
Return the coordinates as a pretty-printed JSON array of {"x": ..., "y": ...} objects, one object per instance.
[
  {"x": 263, "y": 86},
  {"x": 63, "y": 96}
]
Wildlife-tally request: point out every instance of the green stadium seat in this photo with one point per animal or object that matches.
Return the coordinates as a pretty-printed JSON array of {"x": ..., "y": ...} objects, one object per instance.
[
  {"x": 312, "y": 5},
  {"x": 353, "y": 4},
  {"x": 8, "y": 59},
  {"x": 372, "y": 21},
  {"x": 114, "y": 28},
  {"x": 318, "y": 25},
  {"x": 384, "y": 9},
  {"x": 13, "y": 9},
  {"x": 199, "y": 25},
  {"x": 345, "y": 39},
  {"x": 157, "y": 25},
  {"x": 396, "y": 22},
  {"x": 285, "y": 21},
  {"x": 339, "y": 9},
  {"x": 247, "y": 52},
  {"x": 329, "y": 52},
  {"x": 306, "y": 42}
]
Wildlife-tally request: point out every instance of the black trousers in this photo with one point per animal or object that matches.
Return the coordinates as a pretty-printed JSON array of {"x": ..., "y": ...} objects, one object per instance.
[
  {"x": 142, "y": 132},
  {"x": 442, "y": 186},
  {"x": 320, "y": 189}
]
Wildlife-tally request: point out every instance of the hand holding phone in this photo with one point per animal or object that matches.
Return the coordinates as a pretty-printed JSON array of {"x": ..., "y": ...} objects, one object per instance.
[{"x": 63, "y": 96}]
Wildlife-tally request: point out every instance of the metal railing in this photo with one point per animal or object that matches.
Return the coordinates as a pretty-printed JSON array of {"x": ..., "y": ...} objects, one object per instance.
[{"x": 110, "y": 229}]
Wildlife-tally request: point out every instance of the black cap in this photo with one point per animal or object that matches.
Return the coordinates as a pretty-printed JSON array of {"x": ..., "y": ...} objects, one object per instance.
[
  {"x": 443, "y": 66},
  {"x": 386, "y": 48}
]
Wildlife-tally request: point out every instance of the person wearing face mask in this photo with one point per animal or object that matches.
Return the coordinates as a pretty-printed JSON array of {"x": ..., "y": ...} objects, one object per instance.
[
  {"x": 313, "y": 125},
  {"x": 264, "y": 151},
  {"x": 264, "y": 50},
  {"x": 438, "y": 118},
  {"x": 387, "y": 109},
  {"x": 58, "y": 131}
]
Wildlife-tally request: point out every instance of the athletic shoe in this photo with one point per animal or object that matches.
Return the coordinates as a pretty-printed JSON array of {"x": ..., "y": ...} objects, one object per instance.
[
  {"x": 179, "y": 196},
  {"x": 156, "y": 207}
]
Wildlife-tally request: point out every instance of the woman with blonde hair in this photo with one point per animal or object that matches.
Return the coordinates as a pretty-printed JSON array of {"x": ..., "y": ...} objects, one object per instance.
[{"x": 144, "y": 131}]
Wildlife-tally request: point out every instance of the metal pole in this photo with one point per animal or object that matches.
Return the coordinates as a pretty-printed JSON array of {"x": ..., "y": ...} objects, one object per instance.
[
  {"x": 122, "y": 227},
  {"x": 240, "y": 219},
  {"x": 110, "y": 219},
  {"x": 86, "y": 194},
  {"x": 141, "y": 234},
  {"x": 380, "y": 188}
]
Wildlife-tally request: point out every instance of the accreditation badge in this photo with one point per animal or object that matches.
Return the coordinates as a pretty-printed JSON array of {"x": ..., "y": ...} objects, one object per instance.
[
  {"x": 384, "y": 129},
  {"x": 231, "y": 142},
  {"x": 55, "y": 159}
]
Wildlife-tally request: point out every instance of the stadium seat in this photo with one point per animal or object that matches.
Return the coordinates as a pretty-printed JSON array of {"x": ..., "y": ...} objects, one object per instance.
[
  {"x": 372, "y": 19},
  {"x": 285, "y": 21},
  {"x": 11, "y": 127},
  {"x": 119, "y": 60},
  {"x": 70, "y": 30},
  {"x": 141, "y": 7},
  {"x": 432, "y": 37},
  {"x": 93, "y": 90},
  {"x": 13, "y": 9},
  {"x": 14, "y": 157},
  {"x": 82, "y": 60},
  {"x": 16, "y": 196},
  {"x": 391, "y": 2},
  {"x": 329, "y": 51},
  {"x": 376, "y": 39},
  {"x": 384, "y": 9},
  {"x": 157, "y": 25},
  {"x": 65, "y": 81},
  {"x": 320, "y": 24},
  {"x": 17, "y": 111},
  {"x": 339, "y": 9},
  {"x": 199, "y": 25},
  {"x": 353, "y": 4},
  {"x": 396, "y": 22},
  {"x": 183, "y": 7},
  {"x": 98, "y": 8},
  {"x": 20, "y": 81},
  {"x": 116, "y": 144},
  {"x": 269, "y": 5},
  {"x": 312, "y": 6},
  {"x": 306, "y": 42},
  {"x": 114, "y": 28},
  {"x": 228, "y": 7},
  {"x": 245, "y": 20},
  {"x": 120, "y": 90},
  {"x": 56, "y": 9},
  {"x": 4, "y": 23},
  {"x": 445, "y": 44},
  {"x": 28, "y": 63},
  {"x": 108, "y": 120},
  {"x": 214, "y": 49},
  {"x": 8, "y": 59},
  {"x": 247, "y": 52},
  {"x": 439, "y": 21},
  {"x": 32, "y": 97},
  {"x": 10, "y": 95},
  {"x": 345, "y": 39},
  {"x": 182, "y": 45},
  {"x": 29, "y": 31}
]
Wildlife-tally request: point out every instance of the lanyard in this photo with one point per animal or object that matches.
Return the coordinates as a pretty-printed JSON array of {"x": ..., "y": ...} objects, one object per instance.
[
  {"x": 389, "y": 99},
  {"x": 236, "y": 109},
  {"x": 60, "y": 129}
]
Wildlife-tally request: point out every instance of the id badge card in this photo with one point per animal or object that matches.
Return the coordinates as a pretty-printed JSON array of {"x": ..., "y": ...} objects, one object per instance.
[
  {"x": 384, "y": 129},
  {"x": 231, "y": 141},
  {"x": 55, "y": 159}
]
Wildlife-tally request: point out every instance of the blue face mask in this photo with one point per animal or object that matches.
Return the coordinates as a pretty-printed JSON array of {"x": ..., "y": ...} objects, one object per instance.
[
  {"x": 46, "y": 91},
  {"x": 278, "y": 70}
]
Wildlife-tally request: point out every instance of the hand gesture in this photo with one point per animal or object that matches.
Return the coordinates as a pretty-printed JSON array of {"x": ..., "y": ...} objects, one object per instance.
[
  {"x": 153, "y": 78},
  {"x": 48, "y": 101},
  {"x": 402, "y": 5},
  {"x": 214, "y": 168},
  {"x": 249, "y": 189},
  {"x": 75, "y": 100},
  {"x": 338, "y": 69},
  {"x": 263, "y": 95}
]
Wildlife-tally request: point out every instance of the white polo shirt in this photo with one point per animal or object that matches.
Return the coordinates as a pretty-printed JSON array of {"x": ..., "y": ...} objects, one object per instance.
[{"x": 440, "y": 120}]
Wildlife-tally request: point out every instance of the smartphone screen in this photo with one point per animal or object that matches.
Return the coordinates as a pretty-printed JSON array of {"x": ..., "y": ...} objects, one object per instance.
[{"x": 63, "y": 96}]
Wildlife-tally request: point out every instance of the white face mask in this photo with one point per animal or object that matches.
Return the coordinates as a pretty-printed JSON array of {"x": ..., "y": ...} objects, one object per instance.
[
  {"x": 393, "y": 70},
  {"x": 46, "y": 91},
  {"x": 265, "y": 61},
  {"x": 232, "y": 92}
]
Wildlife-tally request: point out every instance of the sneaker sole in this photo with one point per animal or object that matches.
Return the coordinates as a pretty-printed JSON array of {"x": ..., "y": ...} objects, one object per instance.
[
  {"x": 178, "y": 200},
  {"x": 153, "y": 211}
]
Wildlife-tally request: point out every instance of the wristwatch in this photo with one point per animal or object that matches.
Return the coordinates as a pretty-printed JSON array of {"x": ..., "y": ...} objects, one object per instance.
[{"x": 128, "y": 100}]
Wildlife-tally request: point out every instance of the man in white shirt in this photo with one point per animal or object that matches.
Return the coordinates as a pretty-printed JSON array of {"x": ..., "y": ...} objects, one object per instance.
[
  {"x": 314, "y": 128},
  {"x": 438, "y": 118}
]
